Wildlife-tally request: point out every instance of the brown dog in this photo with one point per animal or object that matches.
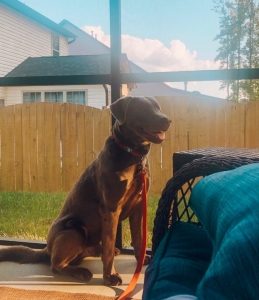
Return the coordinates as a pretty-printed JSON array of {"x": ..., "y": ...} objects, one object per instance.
[{"x": 107, "y": 192}]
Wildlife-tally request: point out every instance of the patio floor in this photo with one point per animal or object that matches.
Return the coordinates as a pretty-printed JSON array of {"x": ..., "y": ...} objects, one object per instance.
[{"x": 40, "y": 277}]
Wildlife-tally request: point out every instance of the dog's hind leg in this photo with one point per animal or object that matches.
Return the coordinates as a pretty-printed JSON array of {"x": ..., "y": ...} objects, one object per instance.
[{"x": 68, "y": 248}]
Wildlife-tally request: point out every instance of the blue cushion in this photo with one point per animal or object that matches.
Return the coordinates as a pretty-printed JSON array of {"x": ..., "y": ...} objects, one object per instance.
[
  {"x": 227, "y": 204},
  {"x": 179, "y": 262}
]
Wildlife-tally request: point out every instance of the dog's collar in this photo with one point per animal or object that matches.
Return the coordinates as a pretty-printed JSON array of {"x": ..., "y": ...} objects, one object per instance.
[{"x": 126, "y": 148}]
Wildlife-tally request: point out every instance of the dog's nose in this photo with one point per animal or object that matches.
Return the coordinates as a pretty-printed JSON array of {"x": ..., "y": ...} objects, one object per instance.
[{"x": 166, "y": 122}]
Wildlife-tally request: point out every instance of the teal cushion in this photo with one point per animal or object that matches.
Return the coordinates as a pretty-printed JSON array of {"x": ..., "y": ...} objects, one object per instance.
[
  {"x": 227, "y": 204},
  {"x": 179, "y": 262}
]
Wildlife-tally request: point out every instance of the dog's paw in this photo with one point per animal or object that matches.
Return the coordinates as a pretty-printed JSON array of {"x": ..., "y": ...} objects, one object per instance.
[
  {"x": 117, "y": 251},
  {"x": 113, "y": 279},
  {"x": 82, "y": 274}
]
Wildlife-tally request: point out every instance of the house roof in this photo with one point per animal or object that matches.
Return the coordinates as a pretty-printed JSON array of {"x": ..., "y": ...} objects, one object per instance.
[
  {"x": 64, "y": 66},
  {"x": 34, "y": 15}
]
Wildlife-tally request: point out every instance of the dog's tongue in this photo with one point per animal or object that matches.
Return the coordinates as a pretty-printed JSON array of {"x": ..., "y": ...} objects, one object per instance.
[{"x": 161, "y": 135}]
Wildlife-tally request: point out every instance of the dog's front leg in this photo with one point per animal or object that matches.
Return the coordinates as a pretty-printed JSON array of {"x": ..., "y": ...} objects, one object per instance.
[
  {"x": 135, "y": 220},
  {"x": 109, "y": 231}
]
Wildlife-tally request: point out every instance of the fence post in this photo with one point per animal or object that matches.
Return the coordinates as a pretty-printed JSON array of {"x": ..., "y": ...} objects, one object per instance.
[{"x": 115, "y": 29}]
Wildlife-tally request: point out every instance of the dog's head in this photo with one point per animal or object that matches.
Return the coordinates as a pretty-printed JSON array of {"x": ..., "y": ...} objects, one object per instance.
[{"x": 143, "y": 116}]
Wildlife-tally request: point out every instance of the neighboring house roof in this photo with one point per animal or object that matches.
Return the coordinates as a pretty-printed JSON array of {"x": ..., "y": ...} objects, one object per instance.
[
  {"x": 153, "y": 89},
  {"x": 34, "y": 15},
  {"x": 64, "y": 65}
]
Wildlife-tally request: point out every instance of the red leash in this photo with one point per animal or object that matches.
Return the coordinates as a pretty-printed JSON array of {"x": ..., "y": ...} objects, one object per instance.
[{"x": 134, "y": 279}]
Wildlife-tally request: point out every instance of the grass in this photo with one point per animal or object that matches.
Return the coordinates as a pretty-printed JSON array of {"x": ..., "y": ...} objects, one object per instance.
[{"x": 29, "y": 215}]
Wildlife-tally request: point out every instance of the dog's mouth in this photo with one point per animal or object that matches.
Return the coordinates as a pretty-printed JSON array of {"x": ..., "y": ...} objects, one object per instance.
[
  {"x": 155, "y": 134},
  {"x": 159, "y": 135},
  {"x": 156, "y": 137}
]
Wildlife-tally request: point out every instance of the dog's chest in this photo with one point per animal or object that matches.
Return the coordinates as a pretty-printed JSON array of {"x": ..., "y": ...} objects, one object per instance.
[
  {"x": 128, "y": 175},
  {"x": 132, "y": 175},
  {"x": 133, "y": 180}
]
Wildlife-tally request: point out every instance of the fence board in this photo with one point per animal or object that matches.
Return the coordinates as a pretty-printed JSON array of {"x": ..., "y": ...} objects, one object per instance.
[
  {"x": 166, "y": 170},
  {"x": 256, "y": 124},
  {"x": 203, "y": 123},
  {"x": 1, "y": 140},
  {"x": 252, "y": 125},
  {"x": 180, "y": 122},
  {"x": 101, "y": 124},
  {"x": 211, "y": 123},
  {"x": 194, "y": 125},
  {"x": 53, "y": 149},
  {"x": 89, "y": 133},
  {"x": 69, "y": 145},
  {"x": 81, "y": 138},
  {"x": 237, "y": 125},
  {"x": 155, "y": 167},
  {"x": 42, "y": 146},
  {"x": 220, "y": 125},
  {"x": 26, "y": 147},
  {"x": 33, "y": 148},
  {"x": 18, "y": 172},
  {"x": 7, "y": 149}
]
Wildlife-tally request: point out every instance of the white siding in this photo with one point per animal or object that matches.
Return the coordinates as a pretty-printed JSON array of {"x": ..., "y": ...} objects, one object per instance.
[
  {"x": 21, "y": 37},
  {"x": 2, "y": 92},
  {"x": 63, "y": 46},
  {"x": 95, "y": 93},
  {"x": 84, "y": 43}
]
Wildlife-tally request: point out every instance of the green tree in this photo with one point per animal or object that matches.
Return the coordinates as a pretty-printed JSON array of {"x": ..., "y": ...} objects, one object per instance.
[
  {"x": 224, "y": 37},
  {"x": 238, "y": 39},
  {"x": 251, "y": 51}
]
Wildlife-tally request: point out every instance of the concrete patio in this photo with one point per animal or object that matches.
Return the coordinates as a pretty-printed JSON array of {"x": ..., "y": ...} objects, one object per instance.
[{"x": 40, "y": 277}]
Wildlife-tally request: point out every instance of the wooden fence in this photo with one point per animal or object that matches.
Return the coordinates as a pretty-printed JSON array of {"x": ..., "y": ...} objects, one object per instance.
[{"x": 45, "y": 147}]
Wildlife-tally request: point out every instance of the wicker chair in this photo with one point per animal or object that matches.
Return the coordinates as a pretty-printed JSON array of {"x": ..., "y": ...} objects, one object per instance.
[{"x": 173, "y": 204}]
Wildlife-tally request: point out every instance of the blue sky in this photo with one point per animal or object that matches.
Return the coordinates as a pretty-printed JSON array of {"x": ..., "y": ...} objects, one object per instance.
[
  {"x": 158, "y": 35},
  {"x": 191, "y": 21}
]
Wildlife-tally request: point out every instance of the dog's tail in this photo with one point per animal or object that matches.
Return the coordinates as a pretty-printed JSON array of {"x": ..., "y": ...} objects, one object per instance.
[{"x": 24, "y": 255}]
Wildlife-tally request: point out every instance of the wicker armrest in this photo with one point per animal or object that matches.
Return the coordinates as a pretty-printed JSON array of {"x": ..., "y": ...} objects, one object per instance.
[{"x": 174, "y": 202}]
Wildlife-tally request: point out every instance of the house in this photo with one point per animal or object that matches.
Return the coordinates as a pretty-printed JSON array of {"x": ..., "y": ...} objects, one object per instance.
[
  {"x": 23, "y": 33},
  {"x": 84, "y": 44},
  {"x": 72, "y": 65},
  {"x": 32, "y": 43},
  {"x": 26, "y": 33}
]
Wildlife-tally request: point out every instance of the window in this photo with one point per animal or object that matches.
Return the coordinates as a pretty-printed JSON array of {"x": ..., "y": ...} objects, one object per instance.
[
  {"x": 78, "y": 97},
  {"x": 55, "y": 44},
  {"x": 30, "y": 97},
  {"x": 54, "y": 96}
]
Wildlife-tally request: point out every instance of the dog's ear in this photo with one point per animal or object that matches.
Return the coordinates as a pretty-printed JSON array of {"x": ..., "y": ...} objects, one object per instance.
[{"x": 119, "y": 109}]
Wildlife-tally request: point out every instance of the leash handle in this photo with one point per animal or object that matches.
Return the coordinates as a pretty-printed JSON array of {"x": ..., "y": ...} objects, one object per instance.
[{"x": 134, "y": 279}]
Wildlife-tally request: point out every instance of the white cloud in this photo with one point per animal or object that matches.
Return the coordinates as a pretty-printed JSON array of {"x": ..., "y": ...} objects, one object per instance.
[
  {"x": 98, "y": 33},
  {"x": 154, "y": 56}
]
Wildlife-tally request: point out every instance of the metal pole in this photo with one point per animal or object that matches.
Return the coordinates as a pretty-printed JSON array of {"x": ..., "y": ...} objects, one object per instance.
[{"x": 115, "y": 33}]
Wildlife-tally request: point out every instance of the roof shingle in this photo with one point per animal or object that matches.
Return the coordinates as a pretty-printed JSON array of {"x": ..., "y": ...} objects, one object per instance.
[{"x": 63, "y": 65}]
